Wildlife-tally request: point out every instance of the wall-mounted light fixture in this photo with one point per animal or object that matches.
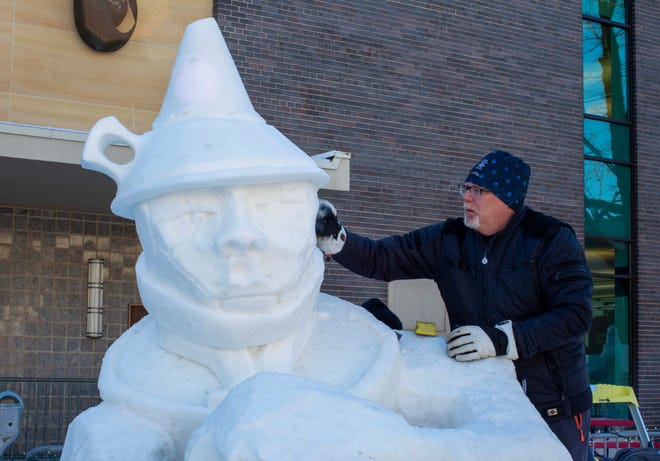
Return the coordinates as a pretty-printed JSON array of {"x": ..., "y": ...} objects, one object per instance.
[
  {"x": 337, "y": 164},
  {"x": 95, "y": 298}
]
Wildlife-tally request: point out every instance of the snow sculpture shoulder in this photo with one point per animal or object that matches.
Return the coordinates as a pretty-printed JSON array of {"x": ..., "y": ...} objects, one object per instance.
[{"x": 241, "y": 357}]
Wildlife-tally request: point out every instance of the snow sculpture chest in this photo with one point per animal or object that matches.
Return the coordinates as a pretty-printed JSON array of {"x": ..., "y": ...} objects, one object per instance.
[{"x": 344, "y": 348}]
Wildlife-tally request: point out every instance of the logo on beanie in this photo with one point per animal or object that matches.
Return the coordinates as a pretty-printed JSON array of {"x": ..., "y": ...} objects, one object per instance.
[{"x": 480, "y": 166}]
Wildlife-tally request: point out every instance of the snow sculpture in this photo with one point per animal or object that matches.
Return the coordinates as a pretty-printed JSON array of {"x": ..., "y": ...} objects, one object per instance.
[{"x": 241, "y": 357}]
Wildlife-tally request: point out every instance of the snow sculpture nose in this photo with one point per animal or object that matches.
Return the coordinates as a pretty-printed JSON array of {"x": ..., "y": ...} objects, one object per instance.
[{"x": 239, "y": 231}]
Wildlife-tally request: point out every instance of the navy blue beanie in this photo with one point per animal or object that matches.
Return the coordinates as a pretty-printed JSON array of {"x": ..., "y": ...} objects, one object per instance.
[{"x": 503, "y": 174}]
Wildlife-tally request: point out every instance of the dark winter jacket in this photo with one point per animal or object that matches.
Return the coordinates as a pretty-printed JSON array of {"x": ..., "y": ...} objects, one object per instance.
[{"x": 533, "y": 273}]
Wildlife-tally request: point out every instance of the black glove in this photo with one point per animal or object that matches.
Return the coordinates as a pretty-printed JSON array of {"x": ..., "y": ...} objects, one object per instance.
[
  {"x": 327, "y": 223},
  {"x": 330, "y": 234}
]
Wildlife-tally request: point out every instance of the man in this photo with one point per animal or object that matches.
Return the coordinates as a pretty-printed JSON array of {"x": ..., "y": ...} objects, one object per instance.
[{"x": 515, "y": 283}]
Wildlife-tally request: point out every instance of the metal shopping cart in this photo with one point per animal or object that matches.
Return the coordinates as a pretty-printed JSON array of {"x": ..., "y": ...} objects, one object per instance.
[{"x": 610, "y": 434}]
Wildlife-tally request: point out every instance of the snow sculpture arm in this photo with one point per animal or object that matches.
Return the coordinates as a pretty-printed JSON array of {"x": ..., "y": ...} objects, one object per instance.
[
  {"x": 268, "y": 418},
  {"x": 280, "y": 417}
]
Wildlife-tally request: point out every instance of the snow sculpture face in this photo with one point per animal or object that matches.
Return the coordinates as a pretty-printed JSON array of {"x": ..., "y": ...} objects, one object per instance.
[
  {"x": 231, "y": 266},
  {"x": 230, "y": 243}
]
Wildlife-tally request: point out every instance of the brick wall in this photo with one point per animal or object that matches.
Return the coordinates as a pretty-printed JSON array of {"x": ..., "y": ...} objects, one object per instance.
[{"x": 43, "y": 289}]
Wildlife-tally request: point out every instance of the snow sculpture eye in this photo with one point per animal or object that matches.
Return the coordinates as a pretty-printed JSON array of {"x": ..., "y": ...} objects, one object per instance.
[{"x": 200, "y": 218}]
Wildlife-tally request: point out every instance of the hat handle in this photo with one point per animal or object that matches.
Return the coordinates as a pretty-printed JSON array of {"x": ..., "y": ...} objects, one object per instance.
[{"x": 104, "y": 133}]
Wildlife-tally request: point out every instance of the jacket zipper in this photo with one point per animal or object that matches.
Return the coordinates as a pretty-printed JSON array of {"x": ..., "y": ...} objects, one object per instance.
[
  {"x": 482, "y": 281},
  {"x": 484, "y": 260}
]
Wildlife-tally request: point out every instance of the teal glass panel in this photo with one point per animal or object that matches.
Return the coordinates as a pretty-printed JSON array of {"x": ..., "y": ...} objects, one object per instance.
[
  {"x": 604, "y": 70},
  {"x": 608, "y": 342},
  {"x": 613, "y": 10},
  {"x": 606, "y": 140},
  {"x": 607, "y": 199},
  {"x": 608, "y": 257}
]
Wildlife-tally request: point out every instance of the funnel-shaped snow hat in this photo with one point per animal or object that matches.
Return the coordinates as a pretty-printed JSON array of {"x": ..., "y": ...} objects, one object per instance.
[{"x": 207, "y": 133}]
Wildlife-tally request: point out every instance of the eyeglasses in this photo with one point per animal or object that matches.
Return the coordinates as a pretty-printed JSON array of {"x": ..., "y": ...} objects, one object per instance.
[{"x": 475, "y": 192}]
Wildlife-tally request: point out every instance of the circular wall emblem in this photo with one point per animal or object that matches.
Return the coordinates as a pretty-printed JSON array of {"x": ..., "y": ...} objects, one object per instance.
[{"x": 98, "y": 22}]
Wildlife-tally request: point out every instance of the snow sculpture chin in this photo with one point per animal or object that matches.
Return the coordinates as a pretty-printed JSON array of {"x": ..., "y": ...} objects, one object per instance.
[{"x": 241, "y": 357}]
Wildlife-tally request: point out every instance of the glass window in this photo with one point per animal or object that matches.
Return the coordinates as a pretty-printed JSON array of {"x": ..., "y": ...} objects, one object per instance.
[
  {"x": 607, "y": 199},
  {"x": 606, "y": 140},
  {"x": 607, "y": 192},
  {"x": 604, "y": 70},
  {"x": 608, "y": 257},
  {"x": 613, "y": 10},
  {"x": 608, "y": 343}
]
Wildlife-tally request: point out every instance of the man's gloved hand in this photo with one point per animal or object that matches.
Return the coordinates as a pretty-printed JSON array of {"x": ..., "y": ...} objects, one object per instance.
[
  {"x": 471, "y": 342},
  {"x": 330, "y": 234}
]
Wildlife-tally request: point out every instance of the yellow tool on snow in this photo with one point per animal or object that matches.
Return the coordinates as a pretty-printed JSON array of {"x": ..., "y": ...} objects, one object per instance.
[{"x": 425, "y": 328}]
